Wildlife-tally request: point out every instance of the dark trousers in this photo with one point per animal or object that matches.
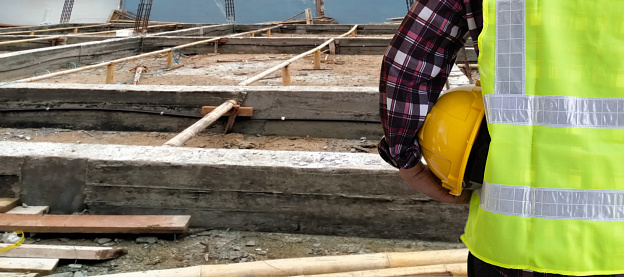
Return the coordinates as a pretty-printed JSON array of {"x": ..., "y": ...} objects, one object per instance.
[{"x": 479, "y": 268}]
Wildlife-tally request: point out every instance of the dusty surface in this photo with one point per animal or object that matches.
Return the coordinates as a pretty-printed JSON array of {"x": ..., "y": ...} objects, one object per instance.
[
  {"x": 232, "y": 69},
  {"x": 224, "y": 246},
  {"x": 203, "y": 140}
]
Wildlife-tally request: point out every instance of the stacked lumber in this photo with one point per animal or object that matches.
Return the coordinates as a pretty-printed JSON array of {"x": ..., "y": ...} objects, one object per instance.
[
  {"x": 424, "y": 263},
  {"x": 30, "y": 260}
]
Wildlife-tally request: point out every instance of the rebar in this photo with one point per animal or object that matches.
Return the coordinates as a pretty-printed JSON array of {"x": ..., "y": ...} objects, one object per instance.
[
  {"x": 67, "y": 10},
  {"x": 142, "y": 17},
  {"x": 230, "y": 12}
]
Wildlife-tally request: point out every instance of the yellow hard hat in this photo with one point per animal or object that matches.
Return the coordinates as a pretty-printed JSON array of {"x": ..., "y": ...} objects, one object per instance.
[{"x": 449, "y": 132}]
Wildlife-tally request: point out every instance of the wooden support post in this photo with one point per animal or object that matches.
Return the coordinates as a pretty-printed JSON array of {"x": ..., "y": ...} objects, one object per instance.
[
  {"x": 32, "y": 33},
  {"x": 317, "y": 59},
  {"x": 110, "y": 73},
  {"x": 286, "y": 76},
  {"x": 320, "y": 8},
  {"x": 332, "y": 48},
  {"x": 75, "y": 30},
  {"x": 170, "y": 58},
  {"x": 268, "y": 33},
  {"x": 216, "y": 47},
  {"x": 252, "y": 35},
  {"x": 308, "y": 14},
  {"x": 202, "y": 124}
]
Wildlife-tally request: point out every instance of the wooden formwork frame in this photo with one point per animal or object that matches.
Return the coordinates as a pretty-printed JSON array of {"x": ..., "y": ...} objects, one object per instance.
[
  {"x": 110, "y": 65},
  {"x": 75, "y": 34},
  {"x": 286, "y": 81},
  {"x": 32, "y": 32}
]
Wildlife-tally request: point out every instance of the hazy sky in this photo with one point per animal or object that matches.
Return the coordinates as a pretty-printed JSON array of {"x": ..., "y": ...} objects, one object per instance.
[{"x": 256, "y": 11}]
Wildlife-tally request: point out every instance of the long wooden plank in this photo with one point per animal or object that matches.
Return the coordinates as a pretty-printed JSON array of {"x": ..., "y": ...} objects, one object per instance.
[
  {"x": 17, "y": 274},
  {"x": 63, "y": 252},
  {"x": 44, "y": 266},
  {"x": 29, "y": 210},
  {"x": 6, "y": 204},
  {"x": 134, "y": 224},
  {"x": 55, "y": 29}
]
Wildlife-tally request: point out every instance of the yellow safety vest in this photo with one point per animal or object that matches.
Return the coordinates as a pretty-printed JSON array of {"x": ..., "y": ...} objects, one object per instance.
[{"x": 552, "y": 76}]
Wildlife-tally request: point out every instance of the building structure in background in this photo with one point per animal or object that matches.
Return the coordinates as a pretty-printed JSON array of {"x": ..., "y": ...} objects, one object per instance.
[{"x": 45, "y": 12}]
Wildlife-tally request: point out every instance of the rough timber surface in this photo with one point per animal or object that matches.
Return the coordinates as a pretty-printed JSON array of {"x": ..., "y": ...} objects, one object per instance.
[
  {"x": 270, "y": 105},
  {"x": 310, "y": 192},
  {"x": 96, "y": 224},
  {"x": 27, "y": 63}
]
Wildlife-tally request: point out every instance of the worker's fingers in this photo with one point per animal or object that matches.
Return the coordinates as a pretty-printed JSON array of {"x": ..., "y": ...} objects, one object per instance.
[{"x": 425, "y": 182}]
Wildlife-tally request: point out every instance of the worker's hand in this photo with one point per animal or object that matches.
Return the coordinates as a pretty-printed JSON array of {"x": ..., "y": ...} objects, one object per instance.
[{"x": 421, "y": 178}]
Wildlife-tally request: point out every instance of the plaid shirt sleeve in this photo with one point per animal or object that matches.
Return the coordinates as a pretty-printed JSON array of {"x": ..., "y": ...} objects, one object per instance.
[{"x": 415, "y": 68}]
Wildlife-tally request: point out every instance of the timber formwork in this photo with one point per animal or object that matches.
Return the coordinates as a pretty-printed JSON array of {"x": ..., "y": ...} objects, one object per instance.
[{"x": 322, "y": 193}]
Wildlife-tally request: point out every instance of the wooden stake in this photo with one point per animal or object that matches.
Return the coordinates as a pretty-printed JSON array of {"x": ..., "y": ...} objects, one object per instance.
[
  {"x": 314, "y": 265},
  {"x": 286, "y": 76},
  {"x": 110, "y": 73},
  {"x": 308, "y": 14},
  {"x": 216, "y": 47},
  {"x": 332, "y": 48},
  {"x": 75, "y": 30},
  {"x": 317, "y": 59},
  {"x": 200, "y": 125},
  {"x": 170, "y": 58},
  {"x": 268, "y": 33}
]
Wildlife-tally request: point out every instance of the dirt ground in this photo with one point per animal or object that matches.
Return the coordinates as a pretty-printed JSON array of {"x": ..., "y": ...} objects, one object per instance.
[
  {"x": 232, "y": 69},
  {"x": 203, "y": 140},
  {"x": 201, "y": 246}
]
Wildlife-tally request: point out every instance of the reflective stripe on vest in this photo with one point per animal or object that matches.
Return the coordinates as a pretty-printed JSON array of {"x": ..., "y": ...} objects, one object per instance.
[
  {"x": 570, "y": 204},
  {"x": 553, "y": 85}
]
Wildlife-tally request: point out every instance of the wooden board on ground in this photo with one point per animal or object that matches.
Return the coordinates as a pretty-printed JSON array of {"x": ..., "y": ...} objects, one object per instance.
[
  {"x": 6, "y": 204},
  {"x": 132, "y": 224},
  {"x": 17, "y": 274},
  {"x": 44, "y": 266},
  {"x": 63, "y": 252},
  {"x": 29, "y": 210}
]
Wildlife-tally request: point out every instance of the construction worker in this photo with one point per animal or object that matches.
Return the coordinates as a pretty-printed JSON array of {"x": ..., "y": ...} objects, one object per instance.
[{"x": 552, "y": 202}]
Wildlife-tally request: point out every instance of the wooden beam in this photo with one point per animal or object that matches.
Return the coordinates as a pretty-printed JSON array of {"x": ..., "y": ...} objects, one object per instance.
[
  {"x": 32, "y": 32},
  {"x": 200, "y": 125},
  {"x": 29, "y": 210},
  {"x": 170, "y": 58},
  {"x": 6, "y": 204},
  {"x": 63, "y": 252},
  {"x": 315, "y": 265},
  {"x": 242, "y": 111},
  {"x": 133, "y": 224},
  {"x": 43, "y": 266}
]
